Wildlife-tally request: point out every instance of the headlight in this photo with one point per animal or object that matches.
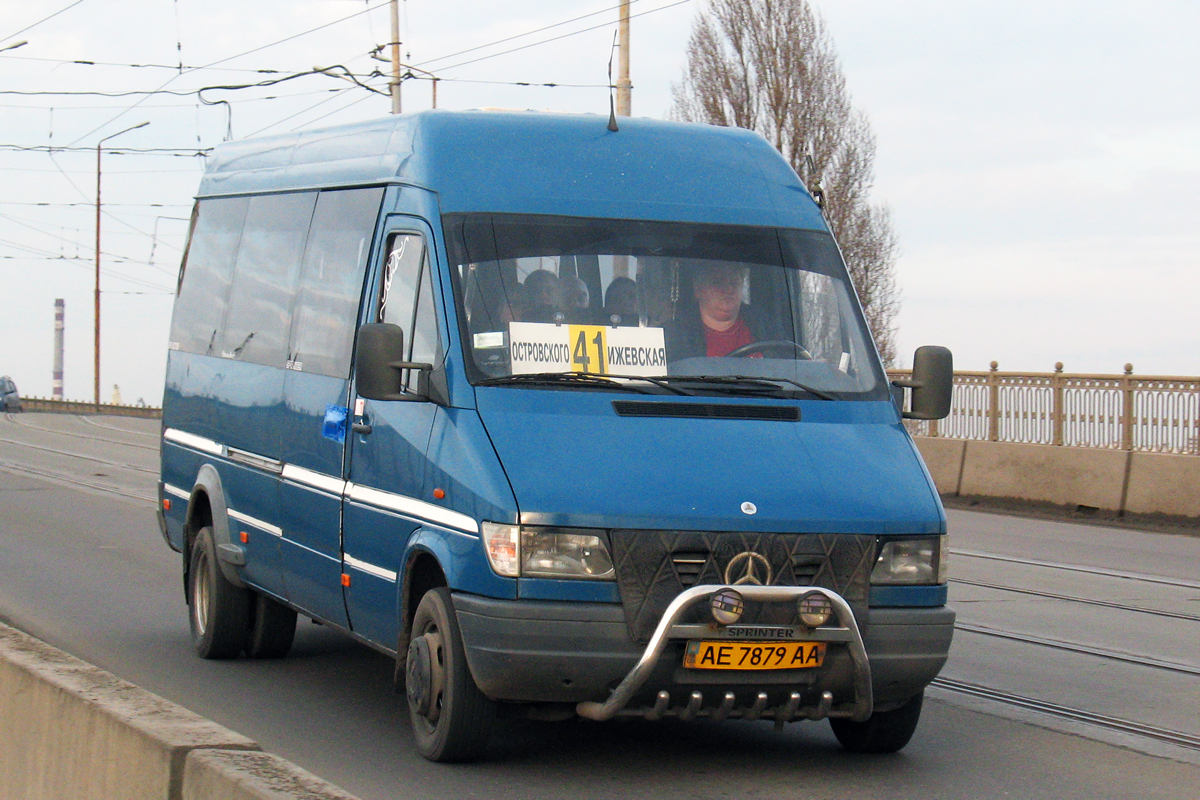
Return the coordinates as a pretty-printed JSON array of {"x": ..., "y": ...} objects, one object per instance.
[
  {"x": 911, "y": 561},
  {"x": 516, "y": 551}
]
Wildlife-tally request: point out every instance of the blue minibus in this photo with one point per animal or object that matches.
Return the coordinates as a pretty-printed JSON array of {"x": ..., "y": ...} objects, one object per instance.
[{"x": 571, "y": 422}]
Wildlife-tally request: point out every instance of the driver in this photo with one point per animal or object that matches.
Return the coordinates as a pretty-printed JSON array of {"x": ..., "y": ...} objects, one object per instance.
[{"x": 718, "y": 291}]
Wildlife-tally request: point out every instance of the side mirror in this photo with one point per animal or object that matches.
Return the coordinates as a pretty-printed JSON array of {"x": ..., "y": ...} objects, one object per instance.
[
  {"x": 932, "y": 383},
  {"x": 378, "y": 370}
]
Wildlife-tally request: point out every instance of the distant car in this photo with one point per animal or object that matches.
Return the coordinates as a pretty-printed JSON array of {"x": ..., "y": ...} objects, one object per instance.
[{"x": 8, "y": 393}]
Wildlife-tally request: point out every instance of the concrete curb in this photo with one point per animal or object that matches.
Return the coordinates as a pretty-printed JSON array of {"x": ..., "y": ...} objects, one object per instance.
[
  {"x": 229, "y": 775},
  {"x": 71, "y": 730},
  {"x": 1112, "y": 480}
]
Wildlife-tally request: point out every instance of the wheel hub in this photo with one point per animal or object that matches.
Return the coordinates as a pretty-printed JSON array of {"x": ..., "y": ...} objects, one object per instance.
[{"x": 424, "y": 676}]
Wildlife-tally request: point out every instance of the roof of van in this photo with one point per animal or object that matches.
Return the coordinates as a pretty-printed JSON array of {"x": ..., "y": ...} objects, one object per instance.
[{"x": 537, "y": 163}]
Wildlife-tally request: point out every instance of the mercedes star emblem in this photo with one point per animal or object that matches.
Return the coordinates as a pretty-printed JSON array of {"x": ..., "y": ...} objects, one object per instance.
[{"x": 748, "y": 567}]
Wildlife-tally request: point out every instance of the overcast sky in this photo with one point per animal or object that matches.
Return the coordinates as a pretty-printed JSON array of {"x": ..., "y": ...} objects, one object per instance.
[{"x": 1041, "y": 159}]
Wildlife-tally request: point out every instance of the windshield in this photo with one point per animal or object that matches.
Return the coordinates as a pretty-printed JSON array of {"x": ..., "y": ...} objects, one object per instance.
[{"x": 694, "y": 306}]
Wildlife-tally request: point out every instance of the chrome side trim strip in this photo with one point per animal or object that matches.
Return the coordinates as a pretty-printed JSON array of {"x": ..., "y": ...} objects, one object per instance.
[
  {"x": 317, "y": 480},
  {"x": 370, "y": 569},
  {"x": 193, "y": 441},
  {"x": 254, "y": 460},
  {"x": 176, "y": 491},
  {"x": 256, "y": 523},
  {"x": 409, "y": 506},
  {"x": 412, "y": 507}
]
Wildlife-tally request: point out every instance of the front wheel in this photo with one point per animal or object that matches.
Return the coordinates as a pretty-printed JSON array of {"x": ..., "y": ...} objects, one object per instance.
[
  {"x": 451, "y": 718},
  {"x": 883, "y": 731},
  {"x": 219, "y": 612}
]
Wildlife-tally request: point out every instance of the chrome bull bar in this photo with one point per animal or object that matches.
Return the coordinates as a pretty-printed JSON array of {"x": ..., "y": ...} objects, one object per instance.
[{"x": 669, "y": 628}]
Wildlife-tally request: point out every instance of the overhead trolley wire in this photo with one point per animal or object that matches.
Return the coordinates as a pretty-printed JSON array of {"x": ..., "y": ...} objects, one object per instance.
[
  {"x": 521, "y": 35},
  {"x": 563, "y": 36},
  {"x": 40, "y": 21},
  {"x": 173, "y": 78}
]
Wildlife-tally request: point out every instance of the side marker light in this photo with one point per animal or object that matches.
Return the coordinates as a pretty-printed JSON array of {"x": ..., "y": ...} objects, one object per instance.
[
  {"x": 439, "y": 494},
  {"x": 166, "y": 505},
  {"x": 245, "y": 537},
  {"x": 345, "y": 579}
]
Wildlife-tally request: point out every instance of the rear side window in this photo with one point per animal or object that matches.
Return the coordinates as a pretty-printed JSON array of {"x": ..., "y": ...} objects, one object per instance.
[
  {"x": 331, "y": 281},
  {"x": 206, "y": 274},
  {"x": 258, "y": 318}
]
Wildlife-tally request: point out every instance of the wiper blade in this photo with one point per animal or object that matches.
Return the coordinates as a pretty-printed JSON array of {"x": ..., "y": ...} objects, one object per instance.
[
  {"x": 744, "y": 382},
  {"x": 817, "y": 393},
  {"x": 728, "y": 383},
  {"x": 662, "y": 382},
  {"x": 580, "y": 379}
]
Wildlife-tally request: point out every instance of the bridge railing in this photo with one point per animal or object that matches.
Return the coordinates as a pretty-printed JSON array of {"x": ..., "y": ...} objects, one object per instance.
[
  {"x": 47, "y": 405},
  {"x": 1146, "y": 413}
]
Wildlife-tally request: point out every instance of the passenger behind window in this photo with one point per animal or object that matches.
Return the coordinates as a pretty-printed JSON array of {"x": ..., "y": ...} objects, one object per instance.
[
  {"x": 620, "y": 303},
  {"x": 576, "y": 300},
  {"x": 544, "y": 295},
  {"x": 716, "y": 325}
]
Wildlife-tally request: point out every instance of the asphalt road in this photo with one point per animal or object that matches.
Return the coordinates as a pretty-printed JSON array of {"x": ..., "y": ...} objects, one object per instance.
[{"x": 82, "y": 565}]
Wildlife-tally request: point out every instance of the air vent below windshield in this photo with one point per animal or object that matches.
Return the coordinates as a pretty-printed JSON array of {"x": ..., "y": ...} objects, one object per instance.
[{"x": 635, "y": 408}]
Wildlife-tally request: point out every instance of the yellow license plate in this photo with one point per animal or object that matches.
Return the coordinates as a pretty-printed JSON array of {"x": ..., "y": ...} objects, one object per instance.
[{"x": 753, "y": 655}]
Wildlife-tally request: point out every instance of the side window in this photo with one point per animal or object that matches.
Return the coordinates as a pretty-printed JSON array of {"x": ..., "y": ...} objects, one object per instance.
[
  {"x": 331, "y": 281},
  {"x": 406, "y": 299},
  {"x": 398, "y": 293},
  {"x": 206, "y": 274},
  {"x": 258, "y": 319}
]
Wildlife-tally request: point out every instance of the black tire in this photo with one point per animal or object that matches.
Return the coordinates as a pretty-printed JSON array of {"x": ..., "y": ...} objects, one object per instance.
[
  {"x": 218, "y": 611},
  {"x": 451, "y": 718},
  {"x": 883, "y": 731},
  {"x": 272, "y": 628}
]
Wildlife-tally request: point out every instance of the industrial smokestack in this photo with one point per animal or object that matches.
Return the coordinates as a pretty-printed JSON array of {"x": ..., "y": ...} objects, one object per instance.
[{"x": 59, "y": 312}]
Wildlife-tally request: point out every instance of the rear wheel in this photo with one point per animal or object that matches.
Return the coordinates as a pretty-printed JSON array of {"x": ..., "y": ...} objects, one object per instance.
[
  {"x": 882, "y": 732},
  {"x": 272, "y": 628},
  {"x": 219, "y": 611},
  {"x": 451, "y": 718}
]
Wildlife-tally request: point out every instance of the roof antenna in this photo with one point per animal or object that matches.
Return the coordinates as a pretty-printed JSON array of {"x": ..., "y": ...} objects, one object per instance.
[
  {"x": 814, "y": 188},
  {"x": 612, "y": 109}
]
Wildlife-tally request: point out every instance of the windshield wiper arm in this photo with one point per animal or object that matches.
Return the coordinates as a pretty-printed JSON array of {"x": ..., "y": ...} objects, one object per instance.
[
  {"x": 746, "y": 382},
  {"x": 723, "y": 382},
  {"x": 580, "y": 379},
  {"x": 803, "y": 387}
]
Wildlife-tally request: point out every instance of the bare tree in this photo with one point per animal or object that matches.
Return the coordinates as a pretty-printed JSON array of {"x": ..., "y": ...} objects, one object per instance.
[{"x": 770, "y": 66}]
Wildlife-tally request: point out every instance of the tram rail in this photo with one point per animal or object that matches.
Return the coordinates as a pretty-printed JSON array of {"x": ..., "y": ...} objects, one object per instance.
[{"x": 1166, "y": 735}]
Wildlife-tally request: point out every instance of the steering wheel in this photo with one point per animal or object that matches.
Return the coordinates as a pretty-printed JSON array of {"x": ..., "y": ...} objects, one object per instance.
[{"x": 764, "y": 347}]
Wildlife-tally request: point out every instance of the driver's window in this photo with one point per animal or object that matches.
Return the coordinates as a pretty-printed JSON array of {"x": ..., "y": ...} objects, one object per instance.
[{"x": 406, "y": 299}]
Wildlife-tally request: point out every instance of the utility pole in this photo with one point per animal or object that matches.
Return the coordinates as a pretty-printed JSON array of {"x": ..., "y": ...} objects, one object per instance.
[
  {"x": 56, "y": 387},
  {"x": 96, "y": 366},
  {"x": 624, "y": 87},
  {"x": 395, "y": 56}
]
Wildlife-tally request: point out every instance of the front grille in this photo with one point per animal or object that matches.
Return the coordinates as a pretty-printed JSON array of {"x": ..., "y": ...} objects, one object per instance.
[
  {"x": 806, "y": 567},
  {"x": 688, "y": 567},
  {"x": 653, "y": 567}
]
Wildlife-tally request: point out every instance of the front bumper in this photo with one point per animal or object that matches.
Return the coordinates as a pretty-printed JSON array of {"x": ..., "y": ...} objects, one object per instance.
[{"x": 582, "y": 653}]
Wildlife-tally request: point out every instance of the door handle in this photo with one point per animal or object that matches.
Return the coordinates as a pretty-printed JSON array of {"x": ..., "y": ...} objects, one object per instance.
[{"x": 361, "y": 428}]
